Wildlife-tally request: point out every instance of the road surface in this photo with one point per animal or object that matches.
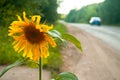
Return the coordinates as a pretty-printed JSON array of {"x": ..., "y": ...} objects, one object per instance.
[
  {"x": 109, "y": 34},
  {"x": 98, "y": 61},
  {"x": 24, "y": 73}
]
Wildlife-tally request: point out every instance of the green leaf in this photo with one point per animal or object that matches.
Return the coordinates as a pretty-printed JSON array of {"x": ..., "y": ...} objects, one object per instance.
[
  {"x": 17, "y": 63},
  {"x": 66, "y": 76},
  {"x": 73, "y": 40},
  {"x": 56, "y": 34},
  {"x": 65, "y": 36}
]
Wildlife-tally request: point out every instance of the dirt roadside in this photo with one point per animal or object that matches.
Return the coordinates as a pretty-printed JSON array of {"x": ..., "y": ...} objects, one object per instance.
[
  {"x": 24, "y": 73},
  {"x": 98, "y": 61}
]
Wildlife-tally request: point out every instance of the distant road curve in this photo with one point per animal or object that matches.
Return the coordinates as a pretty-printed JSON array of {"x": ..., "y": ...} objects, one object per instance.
[{"x": 109, "y": 34}]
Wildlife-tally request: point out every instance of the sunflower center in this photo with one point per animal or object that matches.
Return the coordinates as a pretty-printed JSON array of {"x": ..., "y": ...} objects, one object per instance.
[{"x": 33, "y": 35}]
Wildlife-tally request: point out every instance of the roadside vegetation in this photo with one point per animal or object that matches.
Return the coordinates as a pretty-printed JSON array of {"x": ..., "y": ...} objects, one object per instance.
[
  {"x": 8, "y": 55},
  {"x": 48, "y": 11},
  {"x": 107, "y": 10}
]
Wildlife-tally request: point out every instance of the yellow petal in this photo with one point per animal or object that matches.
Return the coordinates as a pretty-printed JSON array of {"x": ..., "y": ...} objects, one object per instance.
[
  {"x": 50, "y": 40},
  {"x": 42, "y": 51},
  {"x": 29, "y": 54},
  {"x": 17, "y": 24},
  {"x": 17, "y": 46},
  {"x": 36, "y": 52},
  {"x": 14, "y": 31},
  {"x": 46, "y": 52},
  {"x": 37, "y": 18},
  {"x": 45, "y": 28},
  {"x": 14, "y": 42},
  {"x": 25, "y": 49},
  {"x": 10, "y": 34},
  {"x": 25, "y": 18},
  {"x": 22, "y": 46},
  {"x": 19, "y": 18}
]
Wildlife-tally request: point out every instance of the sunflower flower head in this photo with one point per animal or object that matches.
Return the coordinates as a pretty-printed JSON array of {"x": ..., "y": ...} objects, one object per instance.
[{"x": 31, "y": 37}]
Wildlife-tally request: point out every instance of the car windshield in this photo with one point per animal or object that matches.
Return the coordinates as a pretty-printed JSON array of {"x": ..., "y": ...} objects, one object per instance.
[{"x": 96, "y": 18}]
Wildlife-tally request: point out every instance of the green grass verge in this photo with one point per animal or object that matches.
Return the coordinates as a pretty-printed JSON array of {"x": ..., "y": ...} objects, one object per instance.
[{"x": 7, "y": 53}]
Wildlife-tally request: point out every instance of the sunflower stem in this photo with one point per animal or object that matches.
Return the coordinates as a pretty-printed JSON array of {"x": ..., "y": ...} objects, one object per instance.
[{"x": 40, "y": 69}]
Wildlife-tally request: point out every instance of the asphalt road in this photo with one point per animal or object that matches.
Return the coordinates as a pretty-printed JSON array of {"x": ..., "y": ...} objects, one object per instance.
[{"x": 109, "y": 34}]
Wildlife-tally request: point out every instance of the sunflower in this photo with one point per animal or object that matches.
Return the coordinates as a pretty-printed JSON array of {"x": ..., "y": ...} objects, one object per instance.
[{"x": 31, "y": 37}]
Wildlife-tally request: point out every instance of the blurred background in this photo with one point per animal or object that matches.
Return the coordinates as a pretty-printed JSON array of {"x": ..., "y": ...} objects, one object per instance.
[{"x": 82, "y": 11}]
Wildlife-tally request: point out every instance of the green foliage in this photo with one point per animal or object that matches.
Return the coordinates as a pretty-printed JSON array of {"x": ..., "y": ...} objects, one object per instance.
[
  {"x": 72, "y": 39},
  {"x": 63, "y": 36},
  {"x": 49, "y": 10},
  {"x": 46, "y": 8},
  {"x": 10, "y": 8},
  {"x": 7, "y": 53},
  {"x": 107, "y": 10},
  {"x": 53, "y": 62},
  {"x": 110, "y": 11},
  {"x": 60, "y": 27},
  {"x": 71, "y": 17},
  {"x": 66, "y": 76},
  {"x": 82, "y": 15}
]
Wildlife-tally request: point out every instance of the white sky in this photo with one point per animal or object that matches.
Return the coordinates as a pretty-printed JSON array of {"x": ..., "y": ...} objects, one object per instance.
[{"x": 67, "y": 5}]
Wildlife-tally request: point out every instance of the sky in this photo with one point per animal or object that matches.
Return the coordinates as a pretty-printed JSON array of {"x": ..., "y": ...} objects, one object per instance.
[{"x": 67, "y": 5}]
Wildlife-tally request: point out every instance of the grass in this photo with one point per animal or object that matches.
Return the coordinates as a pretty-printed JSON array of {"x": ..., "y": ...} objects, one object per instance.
[{"x": 7, "y": 53}]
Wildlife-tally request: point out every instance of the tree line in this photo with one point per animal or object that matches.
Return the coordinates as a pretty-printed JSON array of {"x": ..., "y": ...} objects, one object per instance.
[
  {"x": 46, "y": 8},
  {"x": 109, "y": 11}
]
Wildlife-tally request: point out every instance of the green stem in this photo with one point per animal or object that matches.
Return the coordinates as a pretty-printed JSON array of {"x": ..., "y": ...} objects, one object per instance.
[
  {"x": 17, "y": 63},
  {"x": 40, "y": 69}
]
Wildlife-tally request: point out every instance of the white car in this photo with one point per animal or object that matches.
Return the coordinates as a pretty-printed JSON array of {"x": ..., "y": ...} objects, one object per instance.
[{"x": 95, "y": 21}]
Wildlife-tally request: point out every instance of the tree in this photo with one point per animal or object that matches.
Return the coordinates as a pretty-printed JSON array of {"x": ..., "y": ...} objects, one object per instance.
[
  {"x": 107, "y": 10},
  {"x": 46, "y": 8},
  {"x": 49, "y": 10},
  {"x": 71, "y": 16},
  {"x": 110, "y": 11},
  {"x": 83, "y": 15}
]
